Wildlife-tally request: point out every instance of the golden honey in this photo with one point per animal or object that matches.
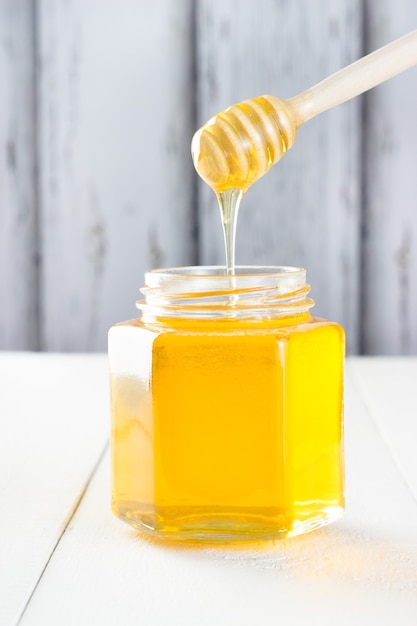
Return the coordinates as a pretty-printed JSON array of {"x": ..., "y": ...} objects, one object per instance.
[{"x": 227, "y": 403}]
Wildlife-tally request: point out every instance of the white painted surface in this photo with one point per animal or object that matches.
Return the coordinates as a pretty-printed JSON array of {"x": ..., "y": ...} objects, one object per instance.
[
  {"x": 18, "y": 242},
  {"x": 362, "y": 569},
  {"x": 390, "y": 395},
  {"x": 54, "y": 418}
]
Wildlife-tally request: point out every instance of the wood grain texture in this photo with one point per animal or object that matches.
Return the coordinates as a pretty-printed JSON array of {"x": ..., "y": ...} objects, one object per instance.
[
  {"x": 364, "y": 565},
  {"x": 116, "y": 119},
  {"x": 54, "y": 416},
  {"x": 390, "y": 209},
  {"x": 306, "y": 211},
  {"x": 18, "y": 230},
  {"x": 99, "y": 99}
]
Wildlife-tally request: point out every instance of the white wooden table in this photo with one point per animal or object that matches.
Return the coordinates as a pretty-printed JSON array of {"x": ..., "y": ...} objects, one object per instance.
[{"x": 64, "y": 559}]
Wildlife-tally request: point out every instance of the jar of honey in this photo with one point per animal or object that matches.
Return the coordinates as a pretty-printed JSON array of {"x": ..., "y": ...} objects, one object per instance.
[{"x": 227, "y": 407}]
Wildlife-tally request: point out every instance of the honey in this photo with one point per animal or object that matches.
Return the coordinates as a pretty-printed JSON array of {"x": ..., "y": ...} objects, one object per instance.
[{"x": 227, "y": 400}]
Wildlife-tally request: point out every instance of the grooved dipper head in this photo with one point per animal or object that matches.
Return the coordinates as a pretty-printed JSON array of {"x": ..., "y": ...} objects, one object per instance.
[{"x": 239, "y": 145}]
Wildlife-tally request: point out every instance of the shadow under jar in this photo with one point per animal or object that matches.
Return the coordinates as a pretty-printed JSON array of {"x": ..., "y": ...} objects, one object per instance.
[{"x": 227, "y": 407}]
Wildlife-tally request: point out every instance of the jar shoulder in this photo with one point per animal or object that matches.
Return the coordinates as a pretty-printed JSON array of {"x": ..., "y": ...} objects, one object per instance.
[{"x": 228, "y": 327}]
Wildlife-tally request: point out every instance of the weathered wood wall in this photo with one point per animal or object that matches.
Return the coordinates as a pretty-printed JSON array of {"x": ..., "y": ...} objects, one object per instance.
[
  {"x": 389, "y": 295},
  {"x": 116, "y": 116},
  {"x": 19, "y": 268},
  {"x": 98, "y": 103}
]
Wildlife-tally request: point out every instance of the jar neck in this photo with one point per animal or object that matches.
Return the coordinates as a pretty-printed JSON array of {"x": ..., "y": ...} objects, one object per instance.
[{"x": 208, "y": 292}]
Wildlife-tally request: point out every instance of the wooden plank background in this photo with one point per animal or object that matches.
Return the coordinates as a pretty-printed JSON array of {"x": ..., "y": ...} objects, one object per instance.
[
  {"x": 18, "y": 201},
  {"x": 98, "y": 104}
]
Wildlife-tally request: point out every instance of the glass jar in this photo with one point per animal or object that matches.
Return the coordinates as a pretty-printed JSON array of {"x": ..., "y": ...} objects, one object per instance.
[{"x": 227, "y": 407}]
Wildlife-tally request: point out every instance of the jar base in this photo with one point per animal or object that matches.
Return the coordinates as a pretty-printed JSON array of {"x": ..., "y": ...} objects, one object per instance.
[{"x": 203, "y": 526}]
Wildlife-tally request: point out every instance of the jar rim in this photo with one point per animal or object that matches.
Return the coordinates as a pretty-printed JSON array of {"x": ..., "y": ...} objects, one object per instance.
[
  {"x": 208, "y": 291},
  {"x": 221, "y": 270},
  {"x": 216, "y": 277}
]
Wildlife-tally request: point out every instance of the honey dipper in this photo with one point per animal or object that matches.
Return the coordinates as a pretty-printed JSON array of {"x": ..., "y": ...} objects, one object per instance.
[{"x": 240, "y": 144}]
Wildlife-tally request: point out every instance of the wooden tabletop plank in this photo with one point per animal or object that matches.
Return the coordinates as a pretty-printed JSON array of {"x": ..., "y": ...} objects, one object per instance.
[
  {"x": 389, "y": 389},
  {"x": 54, "y": 425},
  {"x": 362, "y": 569}
]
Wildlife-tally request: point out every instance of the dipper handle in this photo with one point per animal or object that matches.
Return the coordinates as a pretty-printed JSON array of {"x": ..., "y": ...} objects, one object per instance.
[
  {"x": 239, "y": 145},
  {"x": 367, "y": 72}
]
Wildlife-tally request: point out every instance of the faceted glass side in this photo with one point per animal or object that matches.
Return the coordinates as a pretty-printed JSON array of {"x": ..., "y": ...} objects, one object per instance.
[{"x": 227, "y": 431}]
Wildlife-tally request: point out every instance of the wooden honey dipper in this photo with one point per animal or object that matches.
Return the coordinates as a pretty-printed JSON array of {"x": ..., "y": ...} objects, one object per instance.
[{"x": 239, "y": 145}]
